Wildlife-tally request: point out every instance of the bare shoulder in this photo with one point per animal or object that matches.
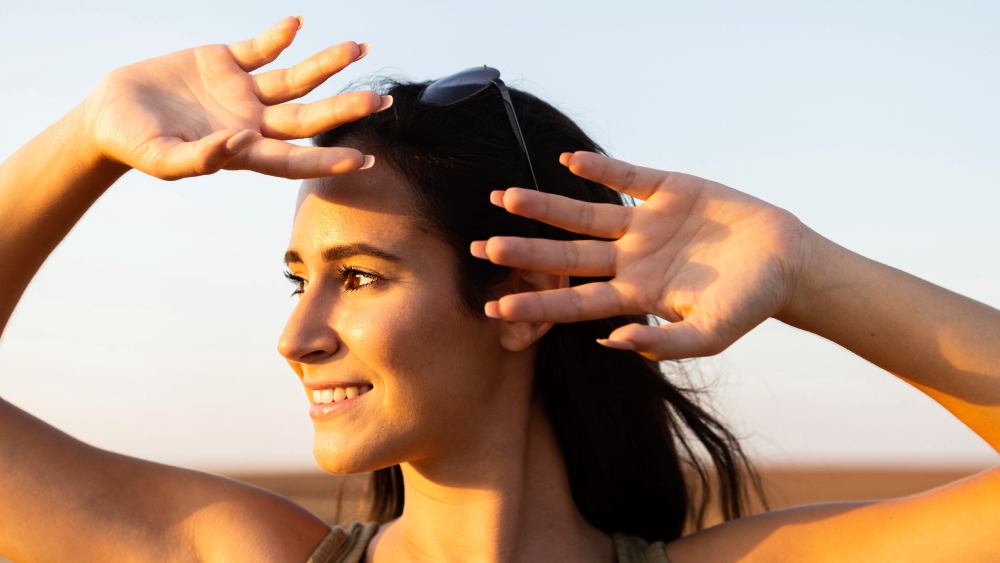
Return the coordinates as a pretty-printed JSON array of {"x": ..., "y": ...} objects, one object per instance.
[
  {"x": 955, "y": 522},
  {"x": 227, "y": 520},
  {"x": 64, "y": 500}
]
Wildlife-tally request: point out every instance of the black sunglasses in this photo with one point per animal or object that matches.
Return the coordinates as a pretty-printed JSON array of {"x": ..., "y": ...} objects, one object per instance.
[{"x": 466, "y": 84}]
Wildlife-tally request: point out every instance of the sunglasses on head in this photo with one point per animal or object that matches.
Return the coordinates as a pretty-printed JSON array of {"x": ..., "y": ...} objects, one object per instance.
[{"x": 466, "y": 84}]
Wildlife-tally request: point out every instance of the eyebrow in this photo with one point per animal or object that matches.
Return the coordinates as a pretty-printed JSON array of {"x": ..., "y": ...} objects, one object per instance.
[{"x": 342, "y": 251}]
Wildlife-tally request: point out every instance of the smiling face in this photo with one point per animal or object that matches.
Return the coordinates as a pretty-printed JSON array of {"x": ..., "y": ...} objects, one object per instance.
[{"x": 393, "y": 322}]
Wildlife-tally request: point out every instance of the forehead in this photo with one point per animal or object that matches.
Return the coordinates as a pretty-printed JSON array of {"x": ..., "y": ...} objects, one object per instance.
[{"x": 373, "y": 206}]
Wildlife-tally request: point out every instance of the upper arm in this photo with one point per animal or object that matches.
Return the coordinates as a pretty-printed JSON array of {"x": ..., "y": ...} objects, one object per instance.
[
  {"x": 959, "y": 521},
  {"x": 62, "y": 500}
]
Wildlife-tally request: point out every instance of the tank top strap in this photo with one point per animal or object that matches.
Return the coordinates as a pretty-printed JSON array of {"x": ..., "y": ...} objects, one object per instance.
[
  {"x": 633, "y": 549},
  {"x": 345, "y": 544},
  {"x": 348, "y": 544}
]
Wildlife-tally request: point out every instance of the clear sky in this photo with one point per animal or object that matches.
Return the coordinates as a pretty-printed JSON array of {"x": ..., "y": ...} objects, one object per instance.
[{"x": 152, "y": 329}]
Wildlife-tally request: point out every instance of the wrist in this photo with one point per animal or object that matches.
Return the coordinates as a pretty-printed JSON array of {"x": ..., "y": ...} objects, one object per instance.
[
  {"x": 821, "y": 260},
  {"x": 83, "y": 123}
]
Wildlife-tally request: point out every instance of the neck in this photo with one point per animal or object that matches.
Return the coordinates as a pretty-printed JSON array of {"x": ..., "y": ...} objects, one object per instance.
[{"x": 505, "y": 497}]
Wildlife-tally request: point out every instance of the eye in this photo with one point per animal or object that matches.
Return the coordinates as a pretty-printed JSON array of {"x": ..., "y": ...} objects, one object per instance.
[
  {"x": 350, "y": 275},
  {"x": 297, "y": 281}
]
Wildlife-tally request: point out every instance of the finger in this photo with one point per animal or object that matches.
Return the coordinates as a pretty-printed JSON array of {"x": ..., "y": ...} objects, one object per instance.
[
  {"x": 281, "y": 85},
  {"x": 574, "y": 258},
  {"x": 298, "y": 121},
  {"x": 585, "y": 302},
  {"x": 636, "y": 181},
  {"x": 256, "y": 52},
  {"x": 605, "y": 220},
  {"x": 672, "y": 341},
  {"x": 285, "y": 160},
  {"x": 171, "y": 158}
]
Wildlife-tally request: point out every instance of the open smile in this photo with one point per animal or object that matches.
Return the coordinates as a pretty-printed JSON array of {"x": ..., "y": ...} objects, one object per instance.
[{"x": 328, "y": 401}]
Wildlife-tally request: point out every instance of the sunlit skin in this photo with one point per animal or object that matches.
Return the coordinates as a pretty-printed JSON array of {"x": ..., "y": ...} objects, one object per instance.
[{"x": 451, "y": 398}]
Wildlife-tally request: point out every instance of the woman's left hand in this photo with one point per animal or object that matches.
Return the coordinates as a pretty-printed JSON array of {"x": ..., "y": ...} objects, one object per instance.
[{"x": 713, "y": 261}]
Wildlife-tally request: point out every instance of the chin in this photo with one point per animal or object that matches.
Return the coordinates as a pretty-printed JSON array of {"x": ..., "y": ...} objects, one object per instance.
[{"x": 334, "y": 456}]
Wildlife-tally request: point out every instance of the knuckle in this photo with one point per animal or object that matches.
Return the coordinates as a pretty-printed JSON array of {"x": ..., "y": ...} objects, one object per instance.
[
  {"x": 542, "y": 306},
  {"x": 324, "y": 62},
  {"x": 625, "y": 216},
  {"x": 287, "y": 79},
  {"x": 576, "y": 303},
  {"x": 275, "y": 35},
  {"x": 588, "y": 217},
  {"x": 616, "y": 300},
  {"x": 336, "y": 111},
  {"x": 571, "y": 255},
  {"x": 257, "y": 49},
  {"x": 630, "y": 177}
]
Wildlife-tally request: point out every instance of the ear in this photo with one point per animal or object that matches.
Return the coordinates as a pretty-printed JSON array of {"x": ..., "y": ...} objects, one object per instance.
[{"x": 519, "y": 335}]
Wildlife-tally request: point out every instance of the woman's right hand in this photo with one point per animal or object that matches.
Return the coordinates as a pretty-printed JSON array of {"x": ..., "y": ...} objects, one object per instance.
[{"x": 199, "y": 110}]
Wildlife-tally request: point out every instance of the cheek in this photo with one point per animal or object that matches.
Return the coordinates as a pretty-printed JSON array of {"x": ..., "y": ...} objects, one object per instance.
[
  {"x": 432, "y": 360},
  {"x": 392, "y": 333}
]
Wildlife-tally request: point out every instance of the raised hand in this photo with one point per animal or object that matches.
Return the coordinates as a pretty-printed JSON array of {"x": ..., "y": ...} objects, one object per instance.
[
  {"x": 713, "y": 261},
  {"x": 196, "y": 111}
]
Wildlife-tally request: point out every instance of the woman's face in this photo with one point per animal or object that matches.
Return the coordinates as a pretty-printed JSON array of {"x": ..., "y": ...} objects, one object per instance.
[{"x": 393, "y": 323}]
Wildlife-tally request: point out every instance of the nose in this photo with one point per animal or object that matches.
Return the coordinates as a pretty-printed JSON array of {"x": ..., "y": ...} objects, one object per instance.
[{"x": 307, "y": 337}]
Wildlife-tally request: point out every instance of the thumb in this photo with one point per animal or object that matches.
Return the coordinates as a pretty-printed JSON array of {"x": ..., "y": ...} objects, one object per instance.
[
  {"x": 171, "y": 158},
  {"x": 670, "y": 341}
]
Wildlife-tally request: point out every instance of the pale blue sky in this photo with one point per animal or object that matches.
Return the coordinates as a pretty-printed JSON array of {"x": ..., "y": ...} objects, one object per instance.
[{"x": 151, "y": 330}]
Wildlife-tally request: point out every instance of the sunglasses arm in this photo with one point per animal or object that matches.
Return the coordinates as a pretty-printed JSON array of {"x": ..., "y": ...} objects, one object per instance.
[{"x": 509, "y": 106}]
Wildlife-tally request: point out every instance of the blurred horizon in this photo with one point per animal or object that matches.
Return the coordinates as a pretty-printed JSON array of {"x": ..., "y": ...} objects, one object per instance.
[{"x": 152, "y": 329}]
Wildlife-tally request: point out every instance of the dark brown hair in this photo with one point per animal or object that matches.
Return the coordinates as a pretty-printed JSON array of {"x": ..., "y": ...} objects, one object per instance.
[{"x": 628, "y": 434}]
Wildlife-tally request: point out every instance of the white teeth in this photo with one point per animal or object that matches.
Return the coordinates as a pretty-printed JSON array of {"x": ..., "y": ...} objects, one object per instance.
[{"x": 331, "y": 395}]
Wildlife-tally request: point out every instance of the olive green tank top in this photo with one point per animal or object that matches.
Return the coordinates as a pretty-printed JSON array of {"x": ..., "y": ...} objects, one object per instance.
[{"x": 348, "y": 545}]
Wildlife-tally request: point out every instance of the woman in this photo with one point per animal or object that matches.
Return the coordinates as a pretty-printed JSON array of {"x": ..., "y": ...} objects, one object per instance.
[{"x": 450, "y": 373}]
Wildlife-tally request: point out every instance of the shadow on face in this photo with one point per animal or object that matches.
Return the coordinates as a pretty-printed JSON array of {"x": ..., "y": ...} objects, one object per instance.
[{"x": 379, "y": 306}]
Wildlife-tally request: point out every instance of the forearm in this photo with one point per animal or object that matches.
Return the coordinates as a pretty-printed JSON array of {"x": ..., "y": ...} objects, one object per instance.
[
  {"x": 45, "y": 187},
  {"x": 943, "y": 343}
]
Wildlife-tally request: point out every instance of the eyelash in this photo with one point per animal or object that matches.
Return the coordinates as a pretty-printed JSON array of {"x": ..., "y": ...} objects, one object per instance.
[{"x": 344, "y": 272}]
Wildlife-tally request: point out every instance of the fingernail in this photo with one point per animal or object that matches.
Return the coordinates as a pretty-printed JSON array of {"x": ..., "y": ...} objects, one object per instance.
[
  {"x": 492, "y": 309},
  {"x": 369, "y": 162},
  {"x": 363, "y": 47},
  {"x": 564, "y": 158},
  {"x": 496, "y": 197},
  {"x": 386, "y": 104},
  {"x": 478, "y": 249},
  {"x": 300, "y": 21},
  {"x": 616, "y": 344}
]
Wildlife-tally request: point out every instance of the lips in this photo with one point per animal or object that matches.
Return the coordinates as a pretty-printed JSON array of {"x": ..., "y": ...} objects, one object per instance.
[{"x": 320, "y": 410}]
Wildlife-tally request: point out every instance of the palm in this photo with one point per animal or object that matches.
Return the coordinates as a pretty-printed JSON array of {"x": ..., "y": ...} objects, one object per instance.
[
  {"x": 711, "y": 260},
  {"x": 171, "y": 116},
  {"x": 175, "y": 96}
]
